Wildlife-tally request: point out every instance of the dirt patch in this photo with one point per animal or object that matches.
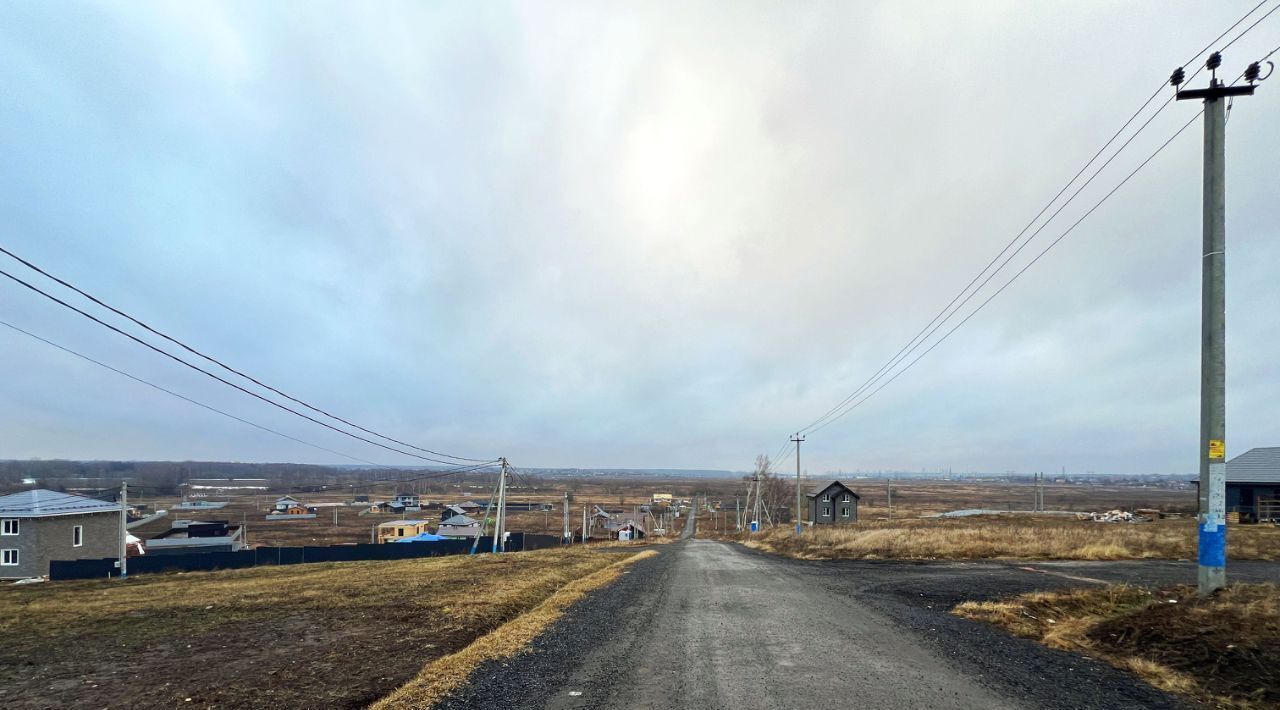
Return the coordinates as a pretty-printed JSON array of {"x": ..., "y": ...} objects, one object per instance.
[
  {"x": 325, "y": 635},
  {"x": 1223, "y": 649}
]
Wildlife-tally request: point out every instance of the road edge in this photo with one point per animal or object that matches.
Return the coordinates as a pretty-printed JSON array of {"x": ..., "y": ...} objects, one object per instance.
[{"x": 448, "y": 673}]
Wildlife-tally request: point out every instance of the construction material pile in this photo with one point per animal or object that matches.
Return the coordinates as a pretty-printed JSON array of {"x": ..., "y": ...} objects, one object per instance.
[{"x": 1117, "y": 516}]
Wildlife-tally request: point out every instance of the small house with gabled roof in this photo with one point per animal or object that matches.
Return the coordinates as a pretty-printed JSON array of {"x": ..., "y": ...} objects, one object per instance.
[
  {"x": 459, "y": 526},
  {"x": 38, "y": 526},
  {"x": 832, "y": 503}
]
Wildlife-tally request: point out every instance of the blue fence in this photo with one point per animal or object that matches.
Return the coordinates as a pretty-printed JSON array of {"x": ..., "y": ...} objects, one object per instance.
[{"x": 204, "y": 561}]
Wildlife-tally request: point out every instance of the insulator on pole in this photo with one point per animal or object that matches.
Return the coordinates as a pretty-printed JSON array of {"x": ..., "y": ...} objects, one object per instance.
[
  {"x": 1251, "y": 73},
  {"x": 1178, "y": 77},
  {"x": 1215, "y": 61}
]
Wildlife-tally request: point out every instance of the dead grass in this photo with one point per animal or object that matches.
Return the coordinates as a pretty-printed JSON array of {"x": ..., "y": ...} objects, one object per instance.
[
  {"x": 333, "y": 635},
  {"x": 987, "y": 537},
  {"x": 1223, "y": 649},
  {"x": 444, "y": 675}
]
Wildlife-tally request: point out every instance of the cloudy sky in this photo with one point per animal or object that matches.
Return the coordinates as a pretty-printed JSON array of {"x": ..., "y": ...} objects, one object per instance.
[{"x": 642, "y": 235}]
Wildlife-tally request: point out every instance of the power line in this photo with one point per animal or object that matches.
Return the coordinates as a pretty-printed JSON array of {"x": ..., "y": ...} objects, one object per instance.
[
  {"x": 1044, "y": 251},
  {"x": 947, "y": 311},
  {"x": 183, "y": 397},
  {"x": 1028, "y": 265},
  {"x": 224, "y": 381},
  {"x": 216, "y": 361}
]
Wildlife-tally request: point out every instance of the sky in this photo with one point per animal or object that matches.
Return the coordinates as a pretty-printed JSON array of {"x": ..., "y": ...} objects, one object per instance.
[{"x": 657, "y": 235}]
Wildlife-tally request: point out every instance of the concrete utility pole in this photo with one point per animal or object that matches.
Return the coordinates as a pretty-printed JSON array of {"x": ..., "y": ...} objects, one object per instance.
[
  {"x": 500, "y": 525},
  {"x": 124, "y": 540},
  {"x": 888, "y": 496},
  {"x": 797, "y": 439},
  {"x": 566, "y": 538},
  {"x": 1212, "y": 520}
]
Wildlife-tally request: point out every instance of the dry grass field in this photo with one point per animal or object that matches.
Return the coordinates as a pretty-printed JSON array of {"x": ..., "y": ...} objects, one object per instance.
[
  {"x": 1021, "y": 537},
  {"x": 319, "y": 635},
  {"x": 1223, "y": 650}
]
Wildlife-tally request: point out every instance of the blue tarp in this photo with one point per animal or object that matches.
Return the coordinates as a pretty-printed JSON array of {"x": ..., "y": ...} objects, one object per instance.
[{"x": 422, "y": 537}]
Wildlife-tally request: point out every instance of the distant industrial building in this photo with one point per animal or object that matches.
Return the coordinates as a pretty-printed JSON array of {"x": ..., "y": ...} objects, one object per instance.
[{"x": 39, "y": 525}]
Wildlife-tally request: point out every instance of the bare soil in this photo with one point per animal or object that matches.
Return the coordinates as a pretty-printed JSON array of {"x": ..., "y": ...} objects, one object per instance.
[{"x": 323, "y": 635}]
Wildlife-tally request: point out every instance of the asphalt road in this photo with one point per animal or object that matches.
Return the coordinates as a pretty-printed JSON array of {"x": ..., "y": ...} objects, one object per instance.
[{"x": 713, "y": 625}]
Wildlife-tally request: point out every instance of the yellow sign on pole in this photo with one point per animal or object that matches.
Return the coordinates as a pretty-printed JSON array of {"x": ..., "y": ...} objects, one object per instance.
[{"x": 1217, "y": 449}]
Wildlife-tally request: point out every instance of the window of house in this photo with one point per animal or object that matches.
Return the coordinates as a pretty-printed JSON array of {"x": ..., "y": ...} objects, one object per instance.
[
  {"x": 9, "y": 527},
  {"x": 844, "y": 512},
  {"x": 8, "y": 558},
  {"x": 826, "y": 497},
  {"x": 846, "y": 498},
  {"x": 77, "y": 536},
  {"x": 826, "y": 510}
]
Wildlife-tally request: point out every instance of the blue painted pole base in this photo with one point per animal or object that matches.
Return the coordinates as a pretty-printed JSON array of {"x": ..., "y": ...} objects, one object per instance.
[{"x": 1213, "y": 544}]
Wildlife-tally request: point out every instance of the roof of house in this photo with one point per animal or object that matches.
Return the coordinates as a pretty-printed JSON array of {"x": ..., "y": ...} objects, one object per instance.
[
  {"x": 1260, "y": 465},
  {"x": 394, "y": 523},
  {"x": 422, "y": 537},
  {"x": 460, "y": 521},
  {"x": 295, "y": 500},
  {"x": 41, "y": 503},
  {"x": 455, "y": 508},
  {"x": 813, "y": 492}
]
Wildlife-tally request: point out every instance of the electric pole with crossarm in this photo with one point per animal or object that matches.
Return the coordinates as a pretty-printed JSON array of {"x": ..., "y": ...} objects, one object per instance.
[{"x": 1212, "y": 519}]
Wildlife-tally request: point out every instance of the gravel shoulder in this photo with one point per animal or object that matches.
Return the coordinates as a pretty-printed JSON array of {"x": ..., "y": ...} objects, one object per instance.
[{"x": 707, "y": 624}]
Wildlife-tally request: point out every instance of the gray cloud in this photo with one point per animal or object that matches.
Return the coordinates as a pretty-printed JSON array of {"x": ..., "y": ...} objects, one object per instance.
[{"x": 595, "y": 235}]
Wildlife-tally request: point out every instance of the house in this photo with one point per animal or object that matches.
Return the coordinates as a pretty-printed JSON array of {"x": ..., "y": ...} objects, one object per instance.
[
  {"x": 407, "y": 501},
  {"x": 459, "y": 526},
  {"x": 287, "y": 504},
  {"x": 40, "y": 525},
  {"x": 832, "y": 502},
  {"x": 197, "y": 536},
  {"x": 618, "y": 525},
  {"x": 1253, "y": 485},
  {"x": 662, "y": 498},
  {"x": 395, "y": 530},
  {"x": 450, "y": 511}
]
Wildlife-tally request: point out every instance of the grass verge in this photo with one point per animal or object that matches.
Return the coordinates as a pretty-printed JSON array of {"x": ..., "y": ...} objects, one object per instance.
[
  {"x": 984, "y": 537},
  {"x": 1223, "y": 649},
  {"x": 320, "y": 635},
  {"x": 444, "y": 675}
]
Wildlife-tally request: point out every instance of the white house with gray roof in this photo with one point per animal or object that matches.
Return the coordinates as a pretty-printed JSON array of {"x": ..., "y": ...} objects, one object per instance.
[{"x": 39, "y": 525}]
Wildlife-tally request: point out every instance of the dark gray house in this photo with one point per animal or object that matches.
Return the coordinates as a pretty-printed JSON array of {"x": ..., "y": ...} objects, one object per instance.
[
  {"x": 832, "y": 503},
  {"x": 197, "y": 536},
  {"x": 37, "y": 526},
  {"x": 1253, "y": 484}
]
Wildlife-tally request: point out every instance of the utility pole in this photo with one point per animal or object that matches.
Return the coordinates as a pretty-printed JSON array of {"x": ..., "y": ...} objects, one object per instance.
[
  {"x": 500, "y": 525},
  {"x": 124, "y": 541},
  {"x": 797, "y": 440},
  {"x": 566, "y": 538},
  {"x": 1212, "y": 519},
  {"x": 888, "y": 496}
]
